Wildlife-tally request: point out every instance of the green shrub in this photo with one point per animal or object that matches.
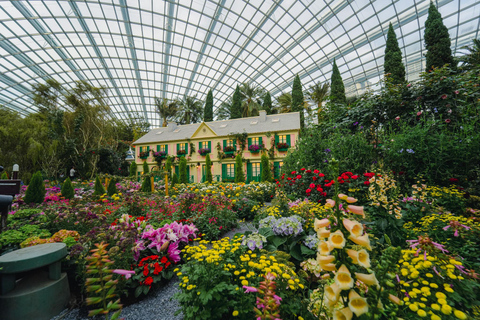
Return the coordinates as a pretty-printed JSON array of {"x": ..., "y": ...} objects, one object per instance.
[
  {"x": 36, "y": 189},
  {"x": 99, "y": 189},
  {"x": 67, "y": 189},
  {"x": 174, "y": 179},
  {"x": 24, "y": 214},
  {"x": 145, "y": 167},
  {"x": 266, "y": 172},
  {"x": 208, "y": 168},
  {"x": 239, "y": 175},
  {"x": 182, "y": 168},
  {"x": 146, "y": 184},
  {"x": 4, "y": 176},
  {"x": 112, "y": 188},
  {"x": 133, "y": 169}
]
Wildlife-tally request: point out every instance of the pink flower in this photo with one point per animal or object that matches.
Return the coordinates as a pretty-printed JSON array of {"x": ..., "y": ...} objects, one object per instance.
[
  {"x": 397, "y": 118},
  {"x": 126, "y": 273},
  {"x": 448, "y": 120},
  {"x": 173, "y": 252},
  {"x": 444, "y": 96},
  {"x": 250, "y": 289},
  {"x": 419, "y": 113},
  {"x": 409, "y": 85},
  {"x": 457, "y": 92}
]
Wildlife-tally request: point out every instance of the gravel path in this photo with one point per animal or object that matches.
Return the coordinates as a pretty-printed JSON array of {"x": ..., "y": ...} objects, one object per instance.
[{"x": 159, "y": 305}]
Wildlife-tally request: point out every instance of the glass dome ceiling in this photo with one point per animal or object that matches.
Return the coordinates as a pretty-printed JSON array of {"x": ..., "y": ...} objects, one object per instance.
[{"x": 140, "y": 49}]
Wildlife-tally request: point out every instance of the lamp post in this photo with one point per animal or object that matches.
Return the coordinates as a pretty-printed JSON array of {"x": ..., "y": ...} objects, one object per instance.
[{"x": 15, "y": 171}]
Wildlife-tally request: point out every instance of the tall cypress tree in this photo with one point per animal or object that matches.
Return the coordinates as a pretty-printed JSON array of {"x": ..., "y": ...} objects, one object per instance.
[
  {"x": 208, "y": 168},
  {"x": 239, "y": 175},
  {"x": 208, "y": 111},
  {"x": 437, "y": 41},
  {"x": 393, "y": 64},
  {"x": 182, "y": 168},
  {"x": 266, "y": 173},
  {"x": 133, "y": 169},
  {"x": 67, "y": 189},
  {"x": 145, "y": 167},
  {"x": 337, "y": 91},
  {"x": 297, "y": 99},
  {"x": 267, "y": 103},
  {"x": 236, "y": 111}
]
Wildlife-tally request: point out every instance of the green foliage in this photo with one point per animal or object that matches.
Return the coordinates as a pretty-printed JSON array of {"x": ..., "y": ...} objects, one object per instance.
[
  {"x": 133, "y": 169},
  {"x": 393, "y": 58},
  {"x": 4, "y": 176},
  {"x": 337, "y": 92},
  {"x": 101, "y": 287},
  {"x": 239, "y": 175},
  {"x": 182, "y": 169},
  {"x": 36, "y": 189},
  {"x": 67, "y": 189},
  {"x": 208, "y": 112},
  {"x": 208, "y": 168},
  {"x": 146, "y": 184},
  {"x": 437, "y": 41},
  {"x": 267, "y": 103},
  {"x": 174, "y": 179},
  {"x": 13, "y": 238},
  {"x": 145, "y": 167},
  {"x": 112, "y": 188},
  {"x": 98, "y": 188},
  {"x": 297, "y": 99},
  {"x": 236, "y": 108},
  {"x": 266, "y": 171},
  {"x": 168, "y": 166}
]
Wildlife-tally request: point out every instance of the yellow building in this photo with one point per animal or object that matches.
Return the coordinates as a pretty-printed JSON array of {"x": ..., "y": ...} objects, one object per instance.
[{"x": 222, "y": 140}]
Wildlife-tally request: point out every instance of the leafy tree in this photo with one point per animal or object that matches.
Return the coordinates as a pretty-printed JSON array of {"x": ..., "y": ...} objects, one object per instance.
[
  {"x": 208, "y": 168},
  {"x": 393, "y": 64},
  {"x": 317, "y": 94},
  {"x": 239, "y": 175},
  {"x": 112, "y": 188},
  {"x": 174, "y": 179},
  {"x": 146, "y": 184},
  {"x": 166, "y": 109},
  {"x": 471, "y": 60},
  {"x": 337, "y": 92},
  {"x": 251, "y": 99},
  {"x": 189, "y": 110},
  {"x": 437, "y": 41},
  {"x": 208, "y": 112},
  {"x": 98, "y": 187},
  {"x": 236, "y": 110},
  {"x": 298, "y": 100},
  {"x": 168, "y": 166},
  {"x": 133, "y": 169},
  {"x": 267, "y": 103},
  {"x": 67, "y": 189},
  {"x": 36, "y": 189},
  {"x": 266, "y": 173},
  {"x": 145, "y": 167},
  {"x": 182, "y": 168}
]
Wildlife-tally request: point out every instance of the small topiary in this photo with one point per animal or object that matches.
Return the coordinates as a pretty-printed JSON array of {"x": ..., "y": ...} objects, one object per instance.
[
  {"x": 239, "y": 175},
  {"x": 133, "y": 169},
  {"x": 112, "y": 188},
  {"x": 67, "y": 189},
  {"x": 146, "y": 184},
  {"x": 174, "y": 179},
  {"x": 182, "y": 167},
  {"x": 266, "y": 174},
  {"x": 4, "y": 176},
  {"x": 36, "y": 189},
  {"x": 208, "y": 168},
  {"x": 99, "y": 189},
  {"x": 145, "y": 167}
]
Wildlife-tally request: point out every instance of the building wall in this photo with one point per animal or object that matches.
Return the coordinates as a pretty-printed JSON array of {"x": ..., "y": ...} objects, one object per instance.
[{"x": 196, "y": 161}]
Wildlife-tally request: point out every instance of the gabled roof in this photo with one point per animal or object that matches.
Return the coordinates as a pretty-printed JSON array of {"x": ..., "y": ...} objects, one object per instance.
[{"x": 252, "y": 125}]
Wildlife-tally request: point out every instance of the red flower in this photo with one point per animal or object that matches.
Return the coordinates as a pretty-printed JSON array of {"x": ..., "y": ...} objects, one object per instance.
[
  {"x": 366, "y": 183},
  {"x": 158, "y": 268},
  {"x": 308, "y": 171},
  {"x": 145, "y": 271},
  {"x": 303, "y": 169},
  {"x": 294, "y": 172},
  {"x": 299, "y": 177},
  {"x": 453, "y": 180},
  {"x": 314, "y": 178},
  {"x": 316, "y": 171},
  {"x": 164, "y": 260},
  {"x": 321, "y": 175},
  {"x": 444, "y": 96},
  {"x": 369, "y": 174},
  {"x": 312, "y": 185},
  {"x": 319, "y": 189},
  {"x": 308, "y": 190},
  {"x": 149, "y": 281}
]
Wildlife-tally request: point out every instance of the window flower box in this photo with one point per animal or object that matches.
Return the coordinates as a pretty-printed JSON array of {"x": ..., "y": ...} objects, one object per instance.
[
  {"x": 255, "y": 148},
  {"x": 204, "y": 151},
  {"x": 159, "y": 155},
  {"x": 144, "y": 154},
  {"x": 181, "y": 153},
  {"x": 229, "y": 150},
  {"x": 282, "y": 146}
]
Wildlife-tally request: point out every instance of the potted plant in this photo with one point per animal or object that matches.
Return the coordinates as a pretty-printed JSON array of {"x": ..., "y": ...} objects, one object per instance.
[
  {"x": 255, "y": 148},
  {"x": 282, "y": 146},
  {"x": 229, "y": 150},
  {"x": 159, "y": 155},
  {"x": 144, "y": 154},
  {"x": 181, "y": 153},
  {"x": 203, "y": 151}
]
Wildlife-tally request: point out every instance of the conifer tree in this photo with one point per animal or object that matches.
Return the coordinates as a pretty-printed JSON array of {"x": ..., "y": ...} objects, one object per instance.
[
  {"x": 4, "y": 176},
  {"x": 168, "y": 166},
  {"x": 266, "y": 174},
  {"x": 239, "y": 175},
  {"x": 36, "y": 189},
  {"x": 267, "y": 103},
  {"x": 437, "y": 41},
  {"x": 208, "y": 168},
  {"x": 67, "y": 189},
  {"x": 393, "y": 64},
  {"x": 174, "y": 179},
  {"x": 297, "y": 99},
  {"x": 208, "y": 111},
  {"x": 146, "y": 184},
  {"x": 236, "y": 111},
  {"x": 98, "y": 188},
  {"x": 182, "y": 168},
  {"x": 112, "y": 188},
  {"x": 337, "y": 89},
  {"x": 133, "y": 169},
  {"x": 145, "y": 167}
]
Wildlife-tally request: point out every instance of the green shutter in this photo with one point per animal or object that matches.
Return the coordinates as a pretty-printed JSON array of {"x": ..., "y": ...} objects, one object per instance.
[
  {"x": 249, "y": 142},
  {"x": 158, "y": 147},
  {"x": 166, "y": 148},
  {"x": 186, "y": 148},
  {"x": 288, "y": 139},
  {"x": 260, "y": 173},
  {"x": 177, "y": 171},
  {"x": 224, "y": 144},
  {"x": 148, "y": 148},
  {"x": 249, "y": 171},
  {"x": 178, "y": 147},
  {"x": 260, "y": 141},
  {"x": 200, "y": 145},
  {"x": 277, "y": 139},
  {"x": 235, "y": 144},
  {"x": 210, "y": 145},
  {"x": 276, "y": 166},
  {"x": 188, "y": 172},
  {"x": 224, "y": 170}
]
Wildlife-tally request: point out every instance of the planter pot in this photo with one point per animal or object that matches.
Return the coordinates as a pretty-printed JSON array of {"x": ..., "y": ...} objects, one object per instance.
[
  {"x": 282, "y": 149},
  {"x": 254, "y": 152},
  {"x": 204, "y": 154},
  {"x": 229, "y": 152},
  {"x": 181, "y": 155},
  {"x": 144, "y": 157}
]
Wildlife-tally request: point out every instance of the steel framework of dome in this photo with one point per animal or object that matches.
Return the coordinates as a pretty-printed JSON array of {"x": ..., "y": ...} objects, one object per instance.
[{"x": 140, "y": 49}]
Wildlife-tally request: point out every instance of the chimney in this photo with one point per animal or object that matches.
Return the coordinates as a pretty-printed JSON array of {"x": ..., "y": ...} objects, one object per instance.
[
  {"x": 172, "y": 126},
  {"x": 262, "y": 116}
]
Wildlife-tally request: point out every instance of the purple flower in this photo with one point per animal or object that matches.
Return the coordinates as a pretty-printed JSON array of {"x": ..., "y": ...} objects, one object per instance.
[
  {"x": 277, "y": 299},
  {"x": 173, "y": 252}
]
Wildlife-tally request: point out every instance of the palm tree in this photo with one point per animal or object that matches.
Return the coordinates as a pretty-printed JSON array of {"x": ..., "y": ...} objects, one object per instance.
[
  {"x": 167, "y": 109},
  {"x": 224, "y": 111},
  {"x": 284, "y": 103},
  {"x": 190, "y": 110},
  {"x": 317, "y": 94},
  {"x": 252, "y": 97},
  {"x": 471, "y": 60}
]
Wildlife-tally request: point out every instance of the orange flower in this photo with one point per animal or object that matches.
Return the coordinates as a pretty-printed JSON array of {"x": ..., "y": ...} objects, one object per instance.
[
  {"x": 337, "y": 240},
  {"x": 355, "y": 228},
  {"x": 320, "y": 223},
  {"x": 362, "y": 241},
  {"x": 356, "y": 210}
]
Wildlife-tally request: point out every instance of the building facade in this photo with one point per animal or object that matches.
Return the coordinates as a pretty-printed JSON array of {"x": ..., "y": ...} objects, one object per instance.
[{"x": 222, "y": 140}]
